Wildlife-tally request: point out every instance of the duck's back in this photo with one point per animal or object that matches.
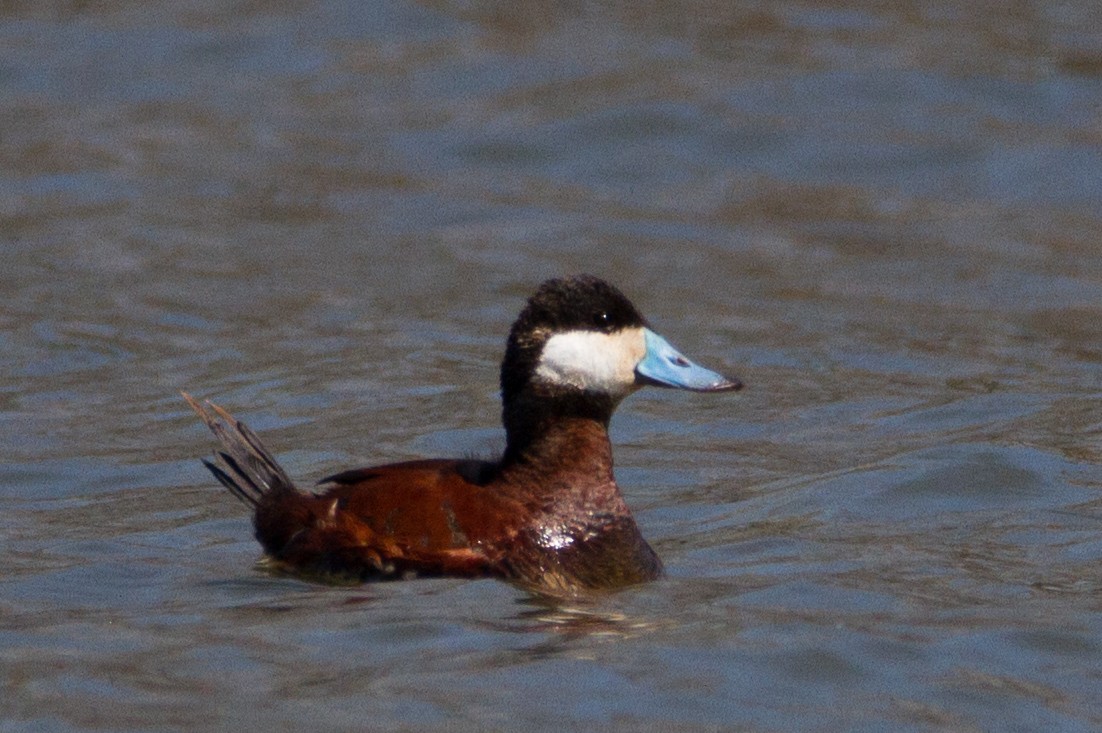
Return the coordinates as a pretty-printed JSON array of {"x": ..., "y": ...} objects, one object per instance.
[{"x": 422, "y": 518}]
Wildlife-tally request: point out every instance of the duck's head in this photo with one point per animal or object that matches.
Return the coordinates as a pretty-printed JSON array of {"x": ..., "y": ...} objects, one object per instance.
[{"x": 580, "y": 345}]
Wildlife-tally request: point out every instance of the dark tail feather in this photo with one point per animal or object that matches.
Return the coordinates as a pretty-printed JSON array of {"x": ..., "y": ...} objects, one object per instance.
[{"x": 244, "y": 465}]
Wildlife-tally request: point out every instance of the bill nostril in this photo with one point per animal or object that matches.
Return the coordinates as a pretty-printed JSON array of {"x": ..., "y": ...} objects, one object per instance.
[{"x": 679, "y": 361}]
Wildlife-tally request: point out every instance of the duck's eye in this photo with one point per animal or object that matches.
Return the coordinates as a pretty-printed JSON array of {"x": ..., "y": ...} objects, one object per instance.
[{"x": 601, "y": 319}]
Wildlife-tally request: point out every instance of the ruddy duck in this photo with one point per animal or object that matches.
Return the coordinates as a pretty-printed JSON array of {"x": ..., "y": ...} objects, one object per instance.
[{"x": 548, "y": 515}]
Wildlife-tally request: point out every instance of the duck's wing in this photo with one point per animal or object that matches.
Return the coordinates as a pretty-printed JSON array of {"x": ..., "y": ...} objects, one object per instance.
[{"x": 425, "y": 518}]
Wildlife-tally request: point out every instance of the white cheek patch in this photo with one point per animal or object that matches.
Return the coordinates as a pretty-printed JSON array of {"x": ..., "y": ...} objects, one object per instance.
[{"x": 594, "y": 361}]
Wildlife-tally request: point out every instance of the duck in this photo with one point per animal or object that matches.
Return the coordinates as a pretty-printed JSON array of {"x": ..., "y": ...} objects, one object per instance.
[{"x": 547, "y": 515}]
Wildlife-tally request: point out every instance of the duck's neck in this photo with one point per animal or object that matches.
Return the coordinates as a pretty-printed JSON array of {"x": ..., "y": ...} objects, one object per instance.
[
  {"x": 536, "y": 417},
  {"x": 562, "y": 445}
]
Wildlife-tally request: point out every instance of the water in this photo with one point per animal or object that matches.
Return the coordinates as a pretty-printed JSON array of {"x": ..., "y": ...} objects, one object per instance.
[{"x": 885, "y": 219}]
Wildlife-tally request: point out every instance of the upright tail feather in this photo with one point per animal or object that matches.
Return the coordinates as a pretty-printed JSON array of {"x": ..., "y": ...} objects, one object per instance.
[{"x": 244, "y": 465}]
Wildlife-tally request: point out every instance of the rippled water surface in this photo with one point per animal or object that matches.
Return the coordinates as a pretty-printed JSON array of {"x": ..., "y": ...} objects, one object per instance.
[{"x": 884, "y": 217}]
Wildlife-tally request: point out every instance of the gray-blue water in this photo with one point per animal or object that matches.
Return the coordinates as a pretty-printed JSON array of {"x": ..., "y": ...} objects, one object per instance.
[{"x": 886, "y": 218}]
